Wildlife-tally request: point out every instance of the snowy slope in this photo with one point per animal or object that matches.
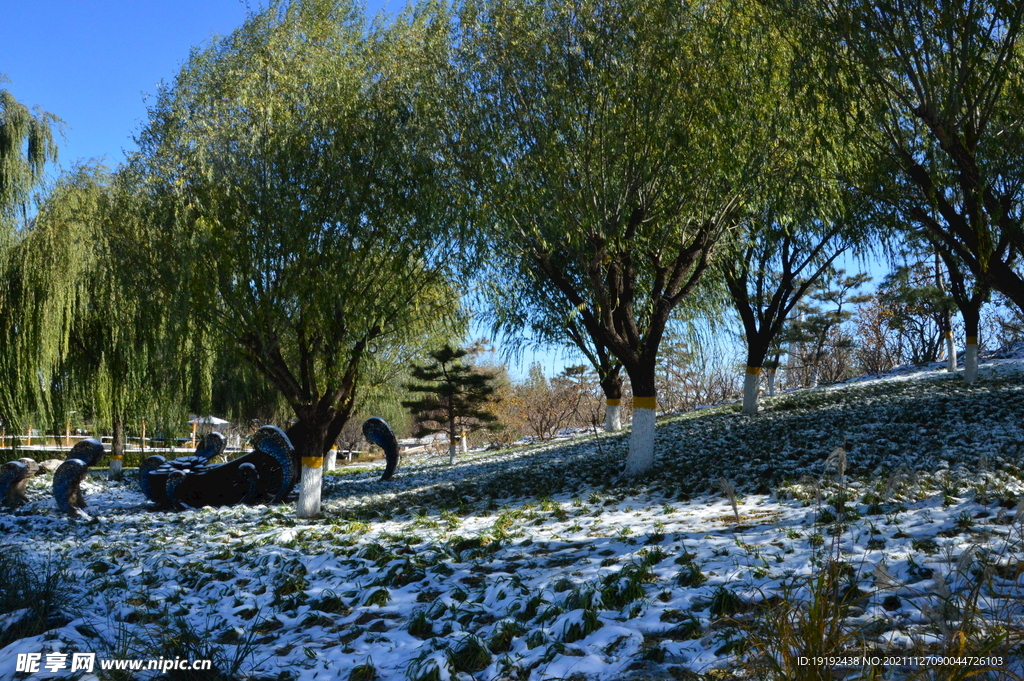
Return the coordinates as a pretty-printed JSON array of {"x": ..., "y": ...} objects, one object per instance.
[{"x": 541, "y": 563}]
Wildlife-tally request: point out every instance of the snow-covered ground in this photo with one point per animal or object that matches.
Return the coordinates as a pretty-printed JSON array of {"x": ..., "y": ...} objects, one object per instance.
[{"x": 542, "y": 563}]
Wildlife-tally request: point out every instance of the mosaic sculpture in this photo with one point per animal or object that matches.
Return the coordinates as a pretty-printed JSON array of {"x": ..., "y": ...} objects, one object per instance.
[
  {"x": 67, "y": 479},
  {"x": 377, "y": 431},
  {"x": 263, "y": 476},
  {"x": 14, "y": 476}
]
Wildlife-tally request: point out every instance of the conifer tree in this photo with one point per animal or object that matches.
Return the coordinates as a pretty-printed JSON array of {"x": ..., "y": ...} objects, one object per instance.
[
  {"x": 455, "y": 396},
  {"x": 814, "y": 330}
]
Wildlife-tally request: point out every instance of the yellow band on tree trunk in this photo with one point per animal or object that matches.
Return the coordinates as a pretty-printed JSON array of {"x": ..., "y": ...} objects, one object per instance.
[
  {"x": 949, "y": 334},
  {"x": 312, "y": 462},
  {"x": 116, "y": 457},
  {"x": 754, "y": 371},
  {"x": 645, "y": 402},
  {"x": 613, "y": 403},
  {"x": 972, "y": 340}
]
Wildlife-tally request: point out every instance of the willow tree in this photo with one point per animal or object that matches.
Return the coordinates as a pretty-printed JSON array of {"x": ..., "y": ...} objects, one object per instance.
[
  {"x": 937, "y": 88},
  {"x": 56, "y": 257},
  {"x": 617, "y": 140},
  {"x": 26, "y": 147},
  {"x": 768, "y": 274},
  {"x": 525, "y": 309},
  {"x": 292, "y": 195},
  {"x": 81, "y": 341}
]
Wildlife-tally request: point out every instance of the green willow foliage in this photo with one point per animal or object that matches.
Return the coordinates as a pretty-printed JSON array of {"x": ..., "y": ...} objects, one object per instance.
[
  {"x": 291, "y": 194},
  {"x": 26, "y": 147},
  {"x": 936, "y": 89},
  {"x": 617, "y": 143},
  {"x": 76, "y": 340}
]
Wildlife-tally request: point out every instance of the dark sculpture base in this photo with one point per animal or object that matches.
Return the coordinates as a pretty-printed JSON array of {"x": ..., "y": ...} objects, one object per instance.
[{"x": 263, "y": 476}]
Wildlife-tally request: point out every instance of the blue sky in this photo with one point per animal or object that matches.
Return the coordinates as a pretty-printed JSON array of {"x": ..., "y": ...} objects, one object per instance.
[{"x": 93, "y": 63}]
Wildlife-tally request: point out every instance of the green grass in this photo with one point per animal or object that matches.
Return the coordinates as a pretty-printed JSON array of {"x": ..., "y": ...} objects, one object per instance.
[{"x": 37, "y": 585}]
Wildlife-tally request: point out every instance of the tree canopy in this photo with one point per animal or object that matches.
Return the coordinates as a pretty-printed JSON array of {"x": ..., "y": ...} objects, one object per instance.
[
  {"x": 26, "y": 147},
  {"x": 617, "y": 142},
  {"x": 936, "y": 88},
  {"x": 291, "y": 193}
]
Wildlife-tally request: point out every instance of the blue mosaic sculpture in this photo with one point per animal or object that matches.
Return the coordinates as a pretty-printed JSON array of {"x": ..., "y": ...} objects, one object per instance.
[
  {"x": 67, "y": 479},
  {"x": 14, "y": 476},
  {"x": 377, "y": 431},
  {"x": 263, "y": 476}
]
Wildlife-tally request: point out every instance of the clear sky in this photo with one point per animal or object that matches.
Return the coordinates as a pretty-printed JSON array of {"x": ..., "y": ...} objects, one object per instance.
[{"x": 93, "y": 62}]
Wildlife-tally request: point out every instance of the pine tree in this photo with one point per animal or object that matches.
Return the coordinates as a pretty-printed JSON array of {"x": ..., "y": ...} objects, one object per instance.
[
  {"x": 816, "y": 331},
  {"x": 455, "y": 396}
]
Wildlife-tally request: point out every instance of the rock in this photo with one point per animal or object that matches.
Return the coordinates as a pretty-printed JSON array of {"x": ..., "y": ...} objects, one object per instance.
[{"x": 50, "y": 465}]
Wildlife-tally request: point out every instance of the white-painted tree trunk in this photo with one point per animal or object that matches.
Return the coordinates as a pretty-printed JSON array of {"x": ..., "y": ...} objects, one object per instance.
[
  {"x": 771, "y": 382},
  {"x": 309, "y": 487},
  {"x": 465, "y": 447},
  {"x": 641, "y": 442},
  {"x": 971, "y": 360},
  {"x": 331, "y": 460},
  {"x": 115, "y": 468},
  {"x": 452, "y": 451},
  {"x": 814, "y": 376},
  {"x": 950, "y": 353},
  {"x": 613, "y": 416},
  {"x": 751, "y": 382}
]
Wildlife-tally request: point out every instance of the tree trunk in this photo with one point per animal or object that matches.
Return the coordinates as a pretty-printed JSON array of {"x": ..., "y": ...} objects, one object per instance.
[
  {"x": 756, "y": 352},
  {"x": 771, "y": 381},
  {"x": 751, "y": 382},
  {"x": 950, "y": 353},
  {"x": 318, "y": 427},
  {"x": 645, "y": 405},
  {"x": 116, "y": 449},
  {"x": 613, "y": 415},
  {"x": 309, "y": 436},
  {"x": 972, "y": 320},
  {"x": 453, "y": 448},
  {"x": 309, "y": 489},
  {"x": 971, "y": 360},
  {"x": 611, "y": 386},
  {"x": 117, "y": 439}
]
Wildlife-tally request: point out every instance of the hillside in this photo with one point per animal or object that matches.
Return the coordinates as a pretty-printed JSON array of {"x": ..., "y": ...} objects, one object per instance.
[{"x": 540, "y": 563}]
